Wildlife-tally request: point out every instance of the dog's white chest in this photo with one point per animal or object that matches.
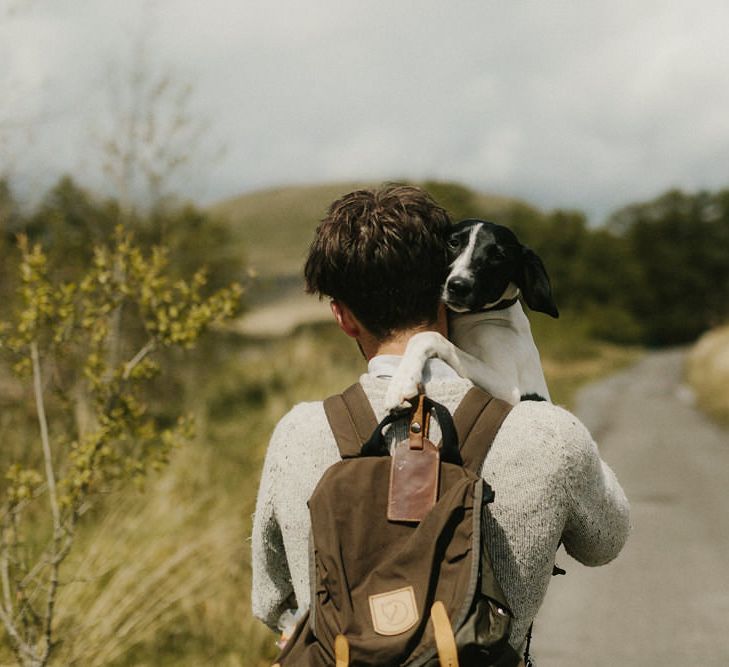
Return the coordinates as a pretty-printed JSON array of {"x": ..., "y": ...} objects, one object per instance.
[{"x": 503, "y": 341}]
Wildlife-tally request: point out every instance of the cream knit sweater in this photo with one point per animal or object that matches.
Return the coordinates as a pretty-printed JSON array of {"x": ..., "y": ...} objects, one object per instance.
[{"x": 544, "y": 467}]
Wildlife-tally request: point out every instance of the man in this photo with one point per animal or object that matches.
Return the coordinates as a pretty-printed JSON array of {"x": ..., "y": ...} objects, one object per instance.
[{"x": 380, "y": 256}]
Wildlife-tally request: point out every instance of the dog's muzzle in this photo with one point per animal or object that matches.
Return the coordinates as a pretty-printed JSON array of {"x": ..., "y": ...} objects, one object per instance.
[
  {"x": 458, "y": 288},
  {"x": 456, "y": 293}
]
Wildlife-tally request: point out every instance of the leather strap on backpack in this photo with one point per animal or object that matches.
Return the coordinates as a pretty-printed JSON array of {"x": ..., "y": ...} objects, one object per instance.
[
  {"x": 414, "y": 470},
  {"x": 478, "y": 419},
  {"x": 351, "y": 418}
]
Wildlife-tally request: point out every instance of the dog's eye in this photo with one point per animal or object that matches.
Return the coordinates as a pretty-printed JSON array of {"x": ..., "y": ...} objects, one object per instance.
[{"x": 454, "y": 243}]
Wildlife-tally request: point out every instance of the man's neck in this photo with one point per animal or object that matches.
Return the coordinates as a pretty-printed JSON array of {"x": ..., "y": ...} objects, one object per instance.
[{"x": 397, "y": 343}]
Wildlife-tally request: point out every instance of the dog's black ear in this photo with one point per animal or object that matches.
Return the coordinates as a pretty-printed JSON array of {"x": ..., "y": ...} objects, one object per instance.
[{"x": 534, "y": 284}]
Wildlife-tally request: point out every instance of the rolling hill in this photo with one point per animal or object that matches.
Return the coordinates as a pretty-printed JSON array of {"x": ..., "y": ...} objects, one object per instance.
[{"x": 274, "y": 227}]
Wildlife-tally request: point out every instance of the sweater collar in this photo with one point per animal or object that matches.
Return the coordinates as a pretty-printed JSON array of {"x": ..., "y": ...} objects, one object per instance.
[{"x": 385, "y": 365}]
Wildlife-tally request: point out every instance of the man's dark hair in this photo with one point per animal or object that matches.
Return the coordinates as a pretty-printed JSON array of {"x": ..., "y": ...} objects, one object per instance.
[{"x": 382, "y": 253}]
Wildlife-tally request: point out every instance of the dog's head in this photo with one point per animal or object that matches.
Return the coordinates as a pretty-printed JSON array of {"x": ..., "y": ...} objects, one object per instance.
[{"x": 485, "y": 258}]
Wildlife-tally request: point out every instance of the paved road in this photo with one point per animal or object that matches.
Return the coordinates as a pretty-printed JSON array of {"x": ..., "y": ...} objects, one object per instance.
[
  {"x": 665, "y": 600},
  {"x": 281, "y": 317}
]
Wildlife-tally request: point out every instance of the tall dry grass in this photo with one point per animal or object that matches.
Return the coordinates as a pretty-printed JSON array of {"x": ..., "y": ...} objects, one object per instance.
[
  {"x": 158, "y": 563},
  {"x": 165, "y": 574},
  {"x": 707, "y": 370}
]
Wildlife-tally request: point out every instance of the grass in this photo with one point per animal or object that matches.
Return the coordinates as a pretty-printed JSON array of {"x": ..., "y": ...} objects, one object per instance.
[
  {"x": 149, "y": 568},
  {"x": 571, "y": 358},
  {"x": 707, "y": 371}
]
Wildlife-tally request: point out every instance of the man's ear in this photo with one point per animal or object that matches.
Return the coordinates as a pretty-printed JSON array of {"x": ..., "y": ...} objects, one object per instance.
[
  {"x": 533, "y": 281},
  {"x": 345, "y": 319}
]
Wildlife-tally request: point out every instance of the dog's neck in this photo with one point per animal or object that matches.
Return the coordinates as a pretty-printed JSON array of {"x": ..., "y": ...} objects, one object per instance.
[
  {"x": 505, "y": 312},
  {"x": 500, "y": 305},
  {"x": 506, "y": 300}
]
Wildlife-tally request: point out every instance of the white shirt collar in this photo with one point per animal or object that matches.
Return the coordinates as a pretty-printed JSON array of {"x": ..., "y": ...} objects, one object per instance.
[{"x": 385, "y": 365}]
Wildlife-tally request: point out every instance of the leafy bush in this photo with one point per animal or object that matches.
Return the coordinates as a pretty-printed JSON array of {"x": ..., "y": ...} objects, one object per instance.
[{"x": 95, "y": 429}]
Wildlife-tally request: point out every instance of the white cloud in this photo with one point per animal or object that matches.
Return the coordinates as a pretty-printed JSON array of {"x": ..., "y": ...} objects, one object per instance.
[{"x": 588, "y": 105}]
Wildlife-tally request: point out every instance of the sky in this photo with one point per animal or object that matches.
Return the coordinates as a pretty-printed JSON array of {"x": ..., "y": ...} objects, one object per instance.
[{"x": 583, "y": 105}]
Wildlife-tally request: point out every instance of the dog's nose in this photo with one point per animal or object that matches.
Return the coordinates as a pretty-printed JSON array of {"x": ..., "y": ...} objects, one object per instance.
[{"x": 459, "y": 286}]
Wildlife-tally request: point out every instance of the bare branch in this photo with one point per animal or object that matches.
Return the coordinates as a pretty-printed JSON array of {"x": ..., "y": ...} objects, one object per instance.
[
  {"x": 138, "y": 358},
  {"x": 53, "y": 497},
  {"x": 20, "y": 647},
  {"x": 45, "y": 440},
  {"x": 4, "y": 568}
]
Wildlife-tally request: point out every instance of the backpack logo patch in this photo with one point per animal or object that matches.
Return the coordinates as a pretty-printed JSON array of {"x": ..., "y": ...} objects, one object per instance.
[{"x": 394, "y": 612}]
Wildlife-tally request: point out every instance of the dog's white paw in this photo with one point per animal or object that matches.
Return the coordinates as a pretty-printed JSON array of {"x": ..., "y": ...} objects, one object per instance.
[{"x": 403, "y": 387}]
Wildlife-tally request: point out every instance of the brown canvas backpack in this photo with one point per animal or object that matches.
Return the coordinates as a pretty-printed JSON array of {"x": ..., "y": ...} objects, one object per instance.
[{"x": 399, "y": 573}]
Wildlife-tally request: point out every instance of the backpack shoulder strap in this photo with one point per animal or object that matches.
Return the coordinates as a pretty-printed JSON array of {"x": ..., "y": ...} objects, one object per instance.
[
  {"x": 351, "y": 419},
  {"x": 478, "y": 418}
]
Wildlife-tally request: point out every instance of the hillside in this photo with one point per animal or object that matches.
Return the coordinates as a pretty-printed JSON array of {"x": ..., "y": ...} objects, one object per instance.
[{"x": 275, "y": 226}]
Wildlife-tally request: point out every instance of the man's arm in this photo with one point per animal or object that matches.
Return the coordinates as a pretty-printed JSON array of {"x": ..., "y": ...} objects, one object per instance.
[
  {"x": 272, "y": 590},
  {"x": 598, "y": 520}
]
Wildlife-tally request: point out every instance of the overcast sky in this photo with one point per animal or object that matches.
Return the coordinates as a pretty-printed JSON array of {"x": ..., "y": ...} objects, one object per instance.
[{"x": 587, "y": 105}]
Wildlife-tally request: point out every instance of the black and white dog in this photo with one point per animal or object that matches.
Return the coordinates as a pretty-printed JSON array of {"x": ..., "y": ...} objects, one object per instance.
[{"x": 490, "y": 342}]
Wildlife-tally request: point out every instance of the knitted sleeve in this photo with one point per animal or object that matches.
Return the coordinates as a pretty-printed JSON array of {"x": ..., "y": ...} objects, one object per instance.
[
  {"x": 598, "y": 514},
  {"x": 271, "y": 585}
]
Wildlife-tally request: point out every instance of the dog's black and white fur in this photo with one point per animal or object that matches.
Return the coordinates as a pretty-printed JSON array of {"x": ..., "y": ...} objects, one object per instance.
[{"x": 490, "y": 338}]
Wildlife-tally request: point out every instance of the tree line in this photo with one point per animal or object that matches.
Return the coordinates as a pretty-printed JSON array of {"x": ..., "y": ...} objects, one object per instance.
[{"x": 657, "y": 273}]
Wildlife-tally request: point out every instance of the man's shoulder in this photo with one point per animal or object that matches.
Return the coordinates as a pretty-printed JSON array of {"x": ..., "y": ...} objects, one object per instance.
[
  {"x": 549, "y": 416},
  {"x": 543, "y": 427},
  {"x": 302, "y": 442},
  {"x": 301, "y": 420},
  {"x": 303, "y": 410}
]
